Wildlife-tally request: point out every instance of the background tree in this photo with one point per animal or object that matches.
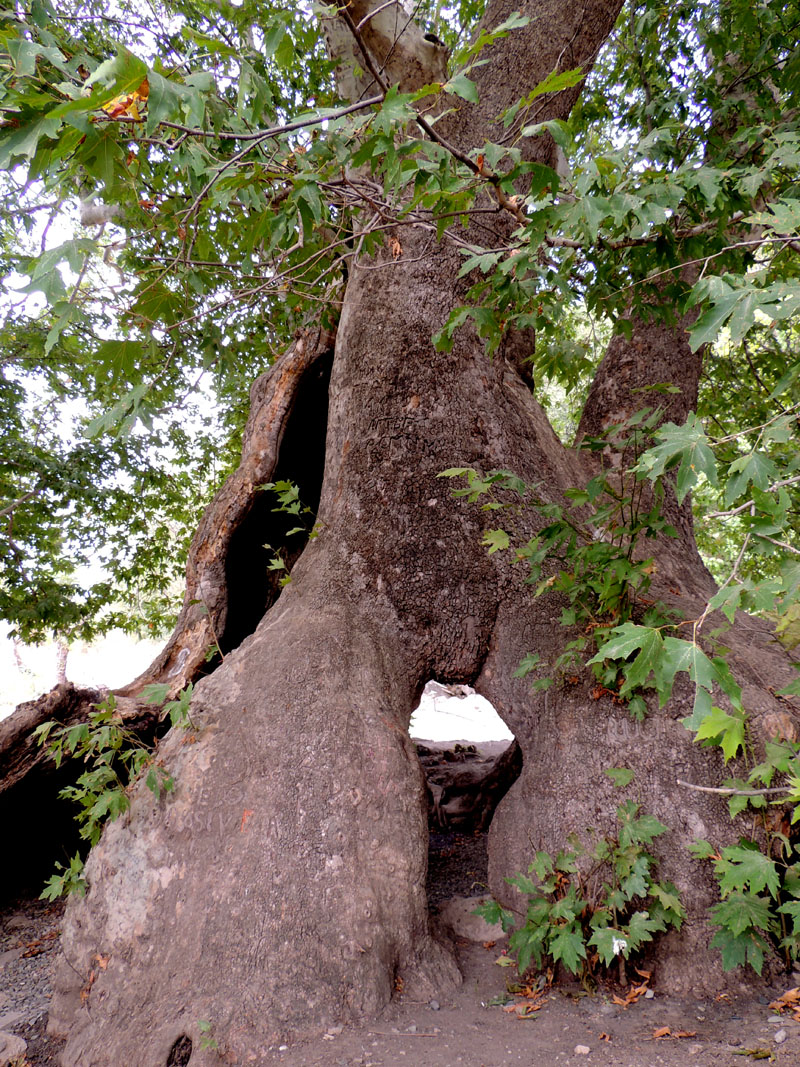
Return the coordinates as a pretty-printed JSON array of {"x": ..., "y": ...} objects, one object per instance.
[{"x": 244, "y": 185}]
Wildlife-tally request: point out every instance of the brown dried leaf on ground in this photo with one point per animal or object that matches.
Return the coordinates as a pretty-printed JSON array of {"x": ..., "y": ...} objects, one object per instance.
[{"x": 788, "y": 1001}]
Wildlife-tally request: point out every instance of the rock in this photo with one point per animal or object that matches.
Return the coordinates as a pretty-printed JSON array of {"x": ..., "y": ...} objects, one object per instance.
[
  {"x": 649, "y": 994},
  {"x": 11, "y": 1048},
  {"x": 434, "y": 1005},
  {"x": 780, "y": 1037},
  {"x": 582, "y": 1050},
  {"x": 457, "y": 914}
]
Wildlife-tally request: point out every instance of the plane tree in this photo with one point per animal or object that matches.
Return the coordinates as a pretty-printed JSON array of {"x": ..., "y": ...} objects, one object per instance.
[{"x": 446, "y": 230}]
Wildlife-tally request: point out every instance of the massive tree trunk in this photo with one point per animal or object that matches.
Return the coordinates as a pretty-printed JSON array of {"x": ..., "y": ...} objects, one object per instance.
[{"x": 281, "y": 887}]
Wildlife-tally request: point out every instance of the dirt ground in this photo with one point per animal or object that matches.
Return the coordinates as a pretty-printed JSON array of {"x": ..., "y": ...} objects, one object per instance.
[{"x": 472, "y": 1028}]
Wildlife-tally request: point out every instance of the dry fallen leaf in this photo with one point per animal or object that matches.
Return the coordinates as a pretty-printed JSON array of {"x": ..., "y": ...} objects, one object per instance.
[
  {"x": 665, "y": 1031},
  {"x": 489, "y": 944},
  {"x": 788, "y": 1001},
  {"x": 396, "y": 247},
  {"x": 634, "y": 993},
  {"x": 528, "y": 1011},
  {"x": 604, "y": 1036}
]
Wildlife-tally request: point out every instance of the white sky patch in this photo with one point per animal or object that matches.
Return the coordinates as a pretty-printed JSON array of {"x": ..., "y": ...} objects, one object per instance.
[{"x": 113, "y": 660}]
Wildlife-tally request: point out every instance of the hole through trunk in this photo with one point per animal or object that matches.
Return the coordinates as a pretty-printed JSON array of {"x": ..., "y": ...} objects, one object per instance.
[{"x": 470, "y": 760}]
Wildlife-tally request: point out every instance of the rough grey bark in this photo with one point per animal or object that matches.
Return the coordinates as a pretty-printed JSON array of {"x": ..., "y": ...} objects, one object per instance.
[{"x": 281, "y": 888}]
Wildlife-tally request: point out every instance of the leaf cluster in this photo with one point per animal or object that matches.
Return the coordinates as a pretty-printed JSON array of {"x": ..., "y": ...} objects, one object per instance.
[
  {"x": 592, "y": 905},
  {"x": 115, "y": 758}
]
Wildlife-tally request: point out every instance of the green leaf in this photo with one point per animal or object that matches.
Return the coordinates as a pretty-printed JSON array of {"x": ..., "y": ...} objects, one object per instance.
[
  {"x": 555, "y": 82},
  {"x": 568, "y": 948},
  {"x": 23, "y": 143},
  {"x": 496, "y": 540},
  {"x": 701, "y": 850},
  {"x": 645, "y": 664},
  {"x": 620, "y": 776},
  {"x": 628, "y": 638},
  {"x": 530, "y": 662},
  {"x": 609, "y": 943},
  {"x": 743, "y": 867},
  {"x": 641, "y": 928},
  {"x": 119, "y": 75},
  {"x": 742, "y": 917},
  {"x": 464, "y": 87},
  {"x": 740, "y": 949},
  {"x": 685, "y": 445},
  {"x": 725, "y": 730}
]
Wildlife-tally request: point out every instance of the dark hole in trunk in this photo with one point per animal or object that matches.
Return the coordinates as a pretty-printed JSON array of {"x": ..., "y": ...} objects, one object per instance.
[
  {"x": 180, "y": 1053},
  {"x": 252, "y": 586}
]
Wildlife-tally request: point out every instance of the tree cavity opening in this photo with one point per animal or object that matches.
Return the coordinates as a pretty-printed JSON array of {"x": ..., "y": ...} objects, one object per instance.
[
  {"x": 181, "y": 1052},
  {"x": 263, "y": 532},
  {"x": 470, "y": 760}
]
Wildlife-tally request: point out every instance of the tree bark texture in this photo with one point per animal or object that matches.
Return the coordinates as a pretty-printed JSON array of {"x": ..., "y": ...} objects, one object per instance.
[{"x": 281, "y": 887}]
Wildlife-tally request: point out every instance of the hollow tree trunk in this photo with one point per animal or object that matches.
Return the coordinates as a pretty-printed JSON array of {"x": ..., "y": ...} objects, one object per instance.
[{"x": 281, "y": 887}]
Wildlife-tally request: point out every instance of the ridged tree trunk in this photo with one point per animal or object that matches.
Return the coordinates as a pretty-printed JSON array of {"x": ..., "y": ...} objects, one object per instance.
[{"x": 281, "y": 888}]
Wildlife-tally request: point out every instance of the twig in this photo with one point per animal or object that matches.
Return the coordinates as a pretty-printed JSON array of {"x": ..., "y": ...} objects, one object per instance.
[
  {"x": 749, "y": 503},
  {"x": 400, "y": 1033},
  {"x": 778, "y": 544},
  {"x": 728, "y": 791},
  {"x": 375, "y": 11},
  {"x": 25, "y": 496},
  {"x": 276, "y": 131}
]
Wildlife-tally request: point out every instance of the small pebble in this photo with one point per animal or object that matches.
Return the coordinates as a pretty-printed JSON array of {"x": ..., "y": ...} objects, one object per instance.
[
  {"x": 775, "y": 1020},
  {"x": 434, "y": 1005},
  {"x": 649, "y": 994},
  {"x": 582, "y": 1050},
  {"x": 413, "y": 1028},
  {"x": 780, "y": 1037}
]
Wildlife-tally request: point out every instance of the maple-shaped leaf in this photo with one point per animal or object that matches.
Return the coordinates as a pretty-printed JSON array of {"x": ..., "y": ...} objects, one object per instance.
[{"x": 742, "y": 866}]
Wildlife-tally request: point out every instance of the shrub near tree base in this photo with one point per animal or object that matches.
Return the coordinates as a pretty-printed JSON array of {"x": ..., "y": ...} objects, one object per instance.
[{"x": 593, "y": 906}]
